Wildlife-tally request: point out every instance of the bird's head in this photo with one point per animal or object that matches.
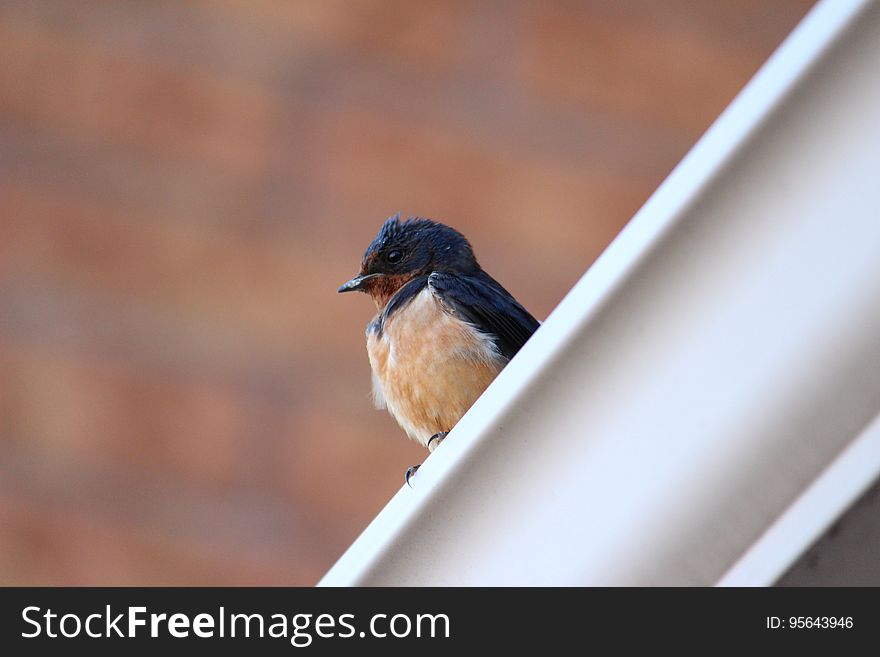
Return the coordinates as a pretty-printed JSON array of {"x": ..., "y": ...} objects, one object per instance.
[{"x": 404, "y": 250}]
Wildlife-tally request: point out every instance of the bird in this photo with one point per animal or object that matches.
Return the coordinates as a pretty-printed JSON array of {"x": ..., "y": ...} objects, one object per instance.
[{"x": 443, "y": 330}]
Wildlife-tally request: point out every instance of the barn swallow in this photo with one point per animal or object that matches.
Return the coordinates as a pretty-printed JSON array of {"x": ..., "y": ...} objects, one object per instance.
[{"x": 444, "y": 327}]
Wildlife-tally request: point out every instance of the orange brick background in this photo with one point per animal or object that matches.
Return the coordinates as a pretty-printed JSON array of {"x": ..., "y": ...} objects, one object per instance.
[{"x": 183, "y": 185}]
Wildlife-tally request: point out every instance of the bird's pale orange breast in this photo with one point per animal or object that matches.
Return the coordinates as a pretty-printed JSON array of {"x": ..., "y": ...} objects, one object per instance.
[{"x": 429, "y": 366}]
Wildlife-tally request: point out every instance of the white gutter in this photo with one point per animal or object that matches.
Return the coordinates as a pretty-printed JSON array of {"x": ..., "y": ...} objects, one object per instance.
[
  {"x": 721, "y": 354},
  {"x": 804, "y": 522}
]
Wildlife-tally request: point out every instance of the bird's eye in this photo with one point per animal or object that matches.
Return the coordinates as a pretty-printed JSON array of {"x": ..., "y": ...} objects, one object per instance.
[{"x": 394, "y": 256}]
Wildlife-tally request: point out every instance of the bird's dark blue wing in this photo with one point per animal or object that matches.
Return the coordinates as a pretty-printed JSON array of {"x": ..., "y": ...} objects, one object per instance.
[{"x": 480, "y": 300}]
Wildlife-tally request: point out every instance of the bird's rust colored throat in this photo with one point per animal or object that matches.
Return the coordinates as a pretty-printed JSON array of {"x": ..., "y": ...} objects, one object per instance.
[{"x": 382, "y": 288}]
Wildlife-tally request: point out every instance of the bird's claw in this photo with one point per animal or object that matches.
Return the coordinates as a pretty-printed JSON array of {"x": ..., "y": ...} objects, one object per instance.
[
  {"x": 410, "y": 471},
  {"x": 439, "y": 436}
]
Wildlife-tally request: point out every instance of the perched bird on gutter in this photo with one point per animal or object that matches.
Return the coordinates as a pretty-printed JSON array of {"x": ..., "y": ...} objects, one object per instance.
[{"x": 444, "y": 327}]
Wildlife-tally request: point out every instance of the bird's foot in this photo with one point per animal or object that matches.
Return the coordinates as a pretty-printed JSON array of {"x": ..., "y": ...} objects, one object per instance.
[
  {"x": 437, "y": 438},
  {"x": 433, "y": 441},
  {"x": 410, "y": 471}
]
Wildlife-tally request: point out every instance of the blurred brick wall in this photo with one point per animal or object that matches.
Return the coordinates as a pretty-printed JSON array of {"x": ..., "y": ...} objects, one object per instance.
[{"x": 183, "y": 185}]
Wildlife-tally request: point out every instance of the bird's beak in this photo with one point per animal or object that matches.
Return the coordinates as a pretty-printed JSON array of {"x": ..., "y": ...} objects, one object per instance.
[{"x": 357, "y": 283}]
